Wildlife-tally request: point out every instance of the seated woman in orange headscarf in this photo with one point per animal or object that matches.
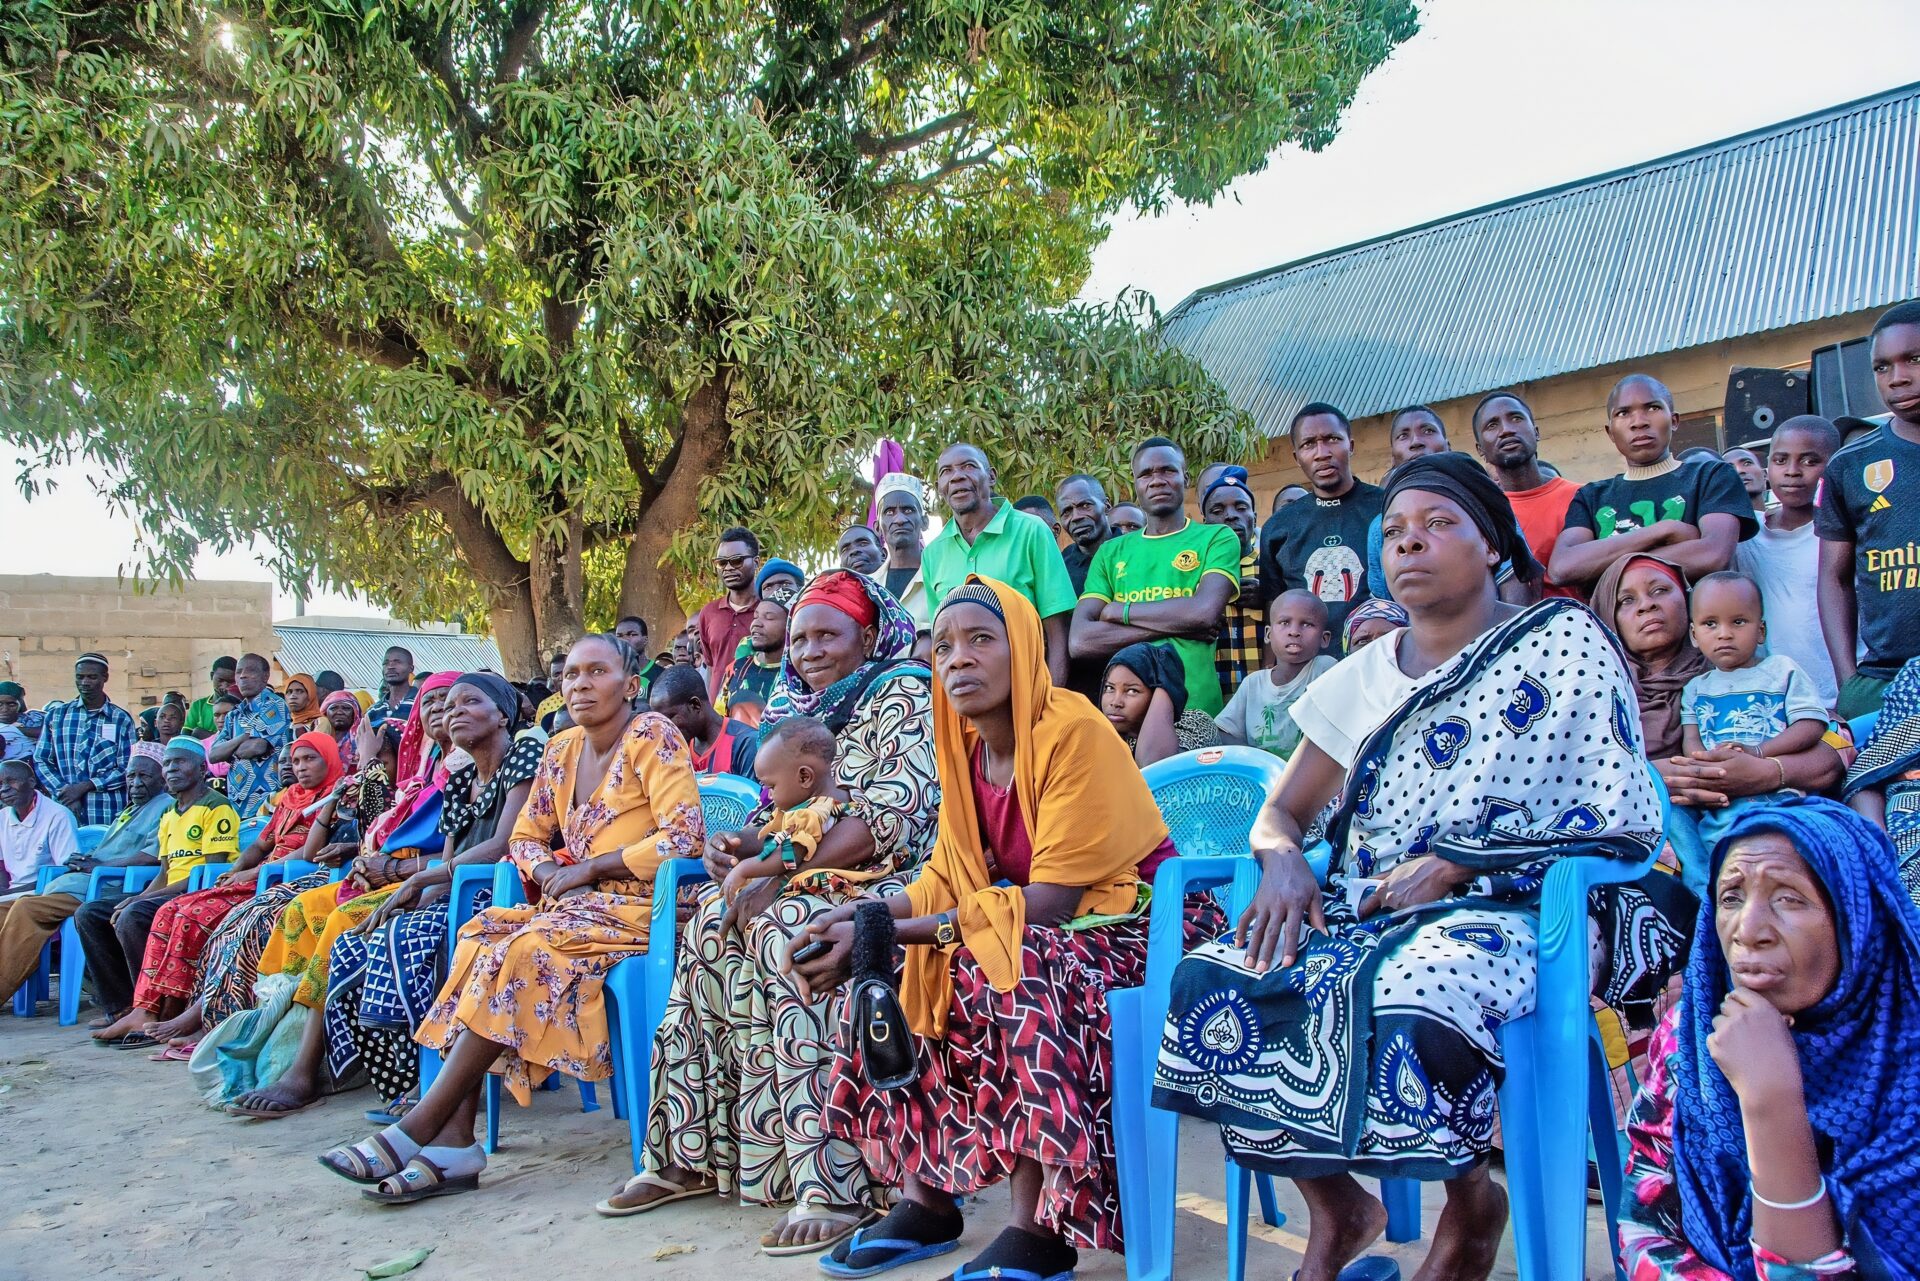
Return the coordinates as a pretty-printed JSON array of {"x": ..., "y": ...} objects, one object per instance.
[
  {"x": 171, "y": 969},
  {"x": 1005, "y": 984}
]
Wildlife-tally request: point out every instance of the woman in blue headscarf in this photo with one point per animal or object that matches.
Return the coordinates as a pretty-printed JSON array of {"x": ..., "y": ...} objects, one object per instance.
[{"x": 1774, "y": 1137}]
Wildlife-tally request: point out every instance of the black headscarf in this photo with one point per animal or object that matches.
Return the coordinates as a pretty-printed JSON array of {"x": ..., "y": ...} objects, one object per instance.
[
  {"x": 498, "y": 692},
  {"x": 1466, "y": 482},
  {"x": 1158, "y": 667}
]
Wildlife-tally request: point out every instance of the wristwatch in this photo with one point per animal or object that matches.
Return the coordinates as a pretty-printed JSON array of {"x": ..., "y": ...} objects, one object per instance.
[{"x": 944, "y": 931}]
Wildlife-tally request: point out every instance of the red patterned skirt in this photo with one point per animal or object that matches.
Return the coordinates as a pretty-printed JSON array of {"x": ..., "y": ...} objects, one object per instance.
[
  {"x": 1023, "y": 1073},
  {"x": 171, "y": 965}
]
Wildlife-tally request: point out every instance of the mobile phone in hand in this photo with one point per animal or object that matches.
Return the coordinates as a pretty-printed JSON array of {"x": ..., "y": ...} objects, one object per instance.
[{"x": 812, "y": 952}]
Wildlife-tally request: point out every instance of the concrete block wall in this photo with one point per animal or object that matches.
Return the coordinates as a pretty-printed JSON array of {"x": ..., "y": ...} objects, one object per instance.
[{"x": 155, "y": 637}]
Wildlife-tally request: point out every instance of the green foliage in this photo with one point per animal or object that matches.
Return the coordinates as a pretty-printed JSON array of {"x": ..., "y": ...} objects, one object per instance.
[{"x": 443, "y": 297}]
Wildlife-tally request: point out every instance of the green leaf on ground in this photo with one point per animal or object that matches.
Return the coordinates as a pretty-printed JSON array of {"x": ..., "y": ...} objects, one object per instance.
[{"x": 400, "y": 1266}]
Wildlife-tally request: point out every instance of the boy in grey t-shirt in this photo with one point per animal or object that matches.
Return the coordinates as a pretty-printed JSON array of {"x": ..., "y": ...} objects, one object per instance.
[{"x": 1257, "y": 714}]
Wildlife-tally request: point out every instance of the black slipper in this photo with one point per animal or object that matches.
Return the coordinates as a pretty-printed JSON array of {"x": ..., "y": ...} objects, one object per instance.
[
  {"x": 135, "y": 1040},
  {"x": 1019, "y": 1255},
  {"x": 910, "y": 1232}
]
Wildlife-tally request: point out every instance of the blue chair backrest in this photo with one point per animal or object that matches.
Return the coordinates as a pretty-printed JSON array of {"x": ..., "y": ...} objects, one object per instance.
[
  {"x": 727, "y": 801},
  {"x": 1210, "y": 797}
]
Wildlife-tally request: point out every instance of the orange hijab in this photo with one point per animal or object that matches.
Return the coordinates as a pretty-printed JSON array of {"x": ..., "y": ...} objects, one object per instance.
[
  {"x": 1088, "y": 812},
  {"x": 313, "y": 711}
]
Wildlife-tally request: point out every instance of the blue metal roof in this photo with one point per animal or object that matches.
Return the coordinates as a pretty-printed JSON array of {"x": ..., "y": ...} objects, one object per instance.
[
  {"x": 1815, "y": 217},
  {"x": 357, "y": 653}
]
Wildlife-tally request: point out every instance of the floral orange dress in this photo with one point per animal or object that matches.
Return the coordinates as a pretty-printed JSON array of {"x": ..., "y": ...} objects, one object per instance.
[{"x": 530, "y": 977}]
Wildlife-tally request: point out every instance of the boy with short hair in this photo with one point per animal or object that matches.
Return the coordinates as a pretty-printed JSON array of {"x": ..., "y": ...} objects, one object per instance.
[
  {"x": 1784, "y": 557},
  {"x": 1868, "y": 520},
  {"x": 1258, "y": 714},
  {"x": 1766, "y": 706}
]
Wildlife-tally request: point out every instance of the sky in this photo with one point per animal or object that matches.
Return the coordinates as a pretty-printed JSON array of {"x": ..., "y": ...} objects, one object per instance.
[{"x": 1492, "y": 99}]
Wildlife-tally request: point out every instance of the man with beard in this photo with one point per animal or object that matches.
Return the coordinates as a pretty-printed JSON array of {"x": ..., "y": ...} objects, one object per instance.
[
  {"x": 902, "y": 501},
  {"x": 1083, "y": 514},
  {"x": 750, "y": 681},
  {"x": 1169, "y": 582},
  {"x": 722, "y": 623}
]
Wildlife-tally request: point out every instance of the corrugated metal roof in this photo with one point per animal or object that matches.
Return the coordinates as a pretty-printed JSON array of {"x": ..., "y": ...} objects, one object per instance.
[
  {"x": 1815, "y": 217},
  {"x": 357, "y": 654}
]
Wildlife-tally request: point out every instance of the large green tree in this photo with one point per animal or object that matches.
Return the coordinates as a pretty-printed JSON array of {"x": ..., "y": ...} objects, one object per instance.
[{"x": 504, "y": 305}]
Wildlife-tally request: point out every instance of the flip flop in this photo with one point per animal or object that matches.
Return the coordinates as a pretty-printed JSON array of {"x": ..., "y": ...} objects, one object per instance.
[
  {"x": 420, "y": 1180},
  {"x": 271, "y": 1114},
  {"x": 674, "y": 1191},
  {"x": 135, "y": 1040},
  {"x": 172, "y": 1054},
  {"x": 848, "y": 1222},
  {"x": 904, "y": 1251},
  {"x": 346, "y": 1162},
  {"x": 393, "y": 1113}
]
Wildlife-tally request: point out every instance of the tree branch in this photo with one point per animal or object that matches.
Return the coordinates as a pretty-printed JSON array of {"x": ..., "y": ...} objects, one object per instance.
[
  {"x": 926, "y": 182},
  {"x": 880, "y": 147},
  {"x": 513, "y": 50}
]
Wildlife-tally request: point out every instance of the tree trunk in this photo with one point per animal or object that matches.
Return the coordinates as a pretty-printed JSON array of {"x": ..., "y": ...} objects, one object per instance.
[
  {"x": 513, "y": 632},
  {"x": 559, "y": 590},
  {"x": 646, "y": 587}
]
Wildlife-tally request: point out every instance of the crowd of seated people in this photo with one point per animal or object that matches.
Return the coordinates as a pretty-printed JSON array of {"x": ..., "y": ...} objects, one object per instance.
[{"x": 1470, "y": 671}]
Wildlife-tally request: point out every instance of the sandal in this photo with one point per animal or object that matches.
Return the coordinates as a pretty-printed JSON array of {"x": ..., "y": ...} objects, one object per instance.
[
  {"x": 847, "y": 1223},
  {"x": 1014, "y": 1243},
  {"x": 173, "y": 1054},
  {"x": 674, "y": 1191},
  {"x": 135, "y": 1040},
  {"x": 420, "y": 1180},
  {"x": 394, "y": 1112},
  {"x": 1375, "y": 1267},
  {"x": 348, "y": 1162},
  {"x": 891, "y": 1246}
]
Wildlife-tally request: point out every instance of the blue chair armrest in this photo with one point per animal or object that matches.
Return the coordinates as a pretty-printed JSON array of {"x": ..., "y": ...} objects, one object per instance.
[
  {"x": 468, "y": 881},
  {"x": 132, "y": 879},
  {"x": 1166, "y": 932},
  {"x": 203, "y": 876},
  {"x": 44, "y": 877},
  {"x": 663, "y": 928}
]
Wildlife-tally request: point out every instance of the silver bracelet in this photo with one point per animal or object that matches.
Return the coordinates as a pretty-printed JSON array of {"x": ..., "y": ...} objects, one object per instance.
[{"x": 1818, "y": 1196}]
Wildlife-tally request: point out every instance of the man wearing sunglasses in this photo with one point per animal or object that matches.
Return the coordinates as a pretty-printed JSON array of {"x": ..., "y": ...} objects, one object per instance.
[{"x": 724, "y": 622}]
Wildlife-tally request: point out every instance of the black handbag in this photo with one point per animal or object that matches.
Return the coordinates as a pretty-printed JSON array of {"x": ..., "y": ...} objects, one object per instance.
[{"x": 888, "y": 1059}]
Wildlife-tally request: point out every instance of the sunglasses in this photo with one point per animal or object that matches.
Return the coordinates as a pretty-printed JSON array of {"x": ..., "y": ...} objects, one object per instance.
[{"x": 730, "y": 562}]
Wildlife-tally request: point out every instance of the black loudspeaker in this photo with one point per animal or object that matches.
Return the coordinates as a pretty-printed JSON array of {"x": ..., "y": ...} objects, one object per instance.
[
  {"x": 1758, "y": 400},
  {"x": 1843, "y": 380}
]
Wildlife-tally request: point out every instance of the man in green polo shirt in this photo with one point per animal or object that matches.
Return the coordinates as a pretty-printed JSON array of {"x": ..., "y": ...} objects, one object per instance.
[
  {"x": 988, "y": 537},
  {"x": 1171, "y": 581}
]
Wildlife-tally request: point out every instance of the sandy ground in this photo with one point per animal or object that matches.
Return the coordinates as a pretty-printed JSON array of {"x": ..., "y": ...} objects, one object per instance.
[{"x": 110, "y": 1169}]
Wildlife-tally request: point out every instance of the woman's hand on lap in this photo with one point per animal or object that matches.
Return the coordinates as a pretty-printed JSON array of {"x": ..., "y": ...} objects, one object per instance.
[
  {"x": 725, "y": 849},
  {"x": 1413, "y": 883},
  {"x": 824, "y": 973},
  {"x": 568, "y": 880},
  {"x": 1287, "y": 901},
  {"x": 752, "y": 898}
]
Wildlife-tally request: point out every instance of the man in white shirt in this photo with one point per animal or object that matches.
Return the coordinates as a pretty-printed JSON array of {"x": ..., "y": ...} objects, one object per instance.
[
  {"x": 35, "y": 831},
  {"x": 1784, "y": 557}
]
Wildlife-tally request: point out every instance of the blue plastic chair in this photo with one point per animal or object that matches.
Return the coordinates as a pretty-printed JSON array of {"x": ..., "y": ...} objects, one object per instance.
[
  {"x": 1554, "y": 1096},
  {"x": 203, "y": 876},
  {"x": 637, "y": 988},
  {"x": 1862, "y": 727},
  {"x": 73, "y": 957},
  {"x": 39, "y": 984}
]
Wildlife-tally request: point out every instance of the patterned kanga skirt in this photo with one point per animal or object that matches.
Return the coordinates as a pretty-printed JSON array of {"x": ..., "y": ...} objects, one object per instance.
[{"x": 1023, "y": 1073}]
